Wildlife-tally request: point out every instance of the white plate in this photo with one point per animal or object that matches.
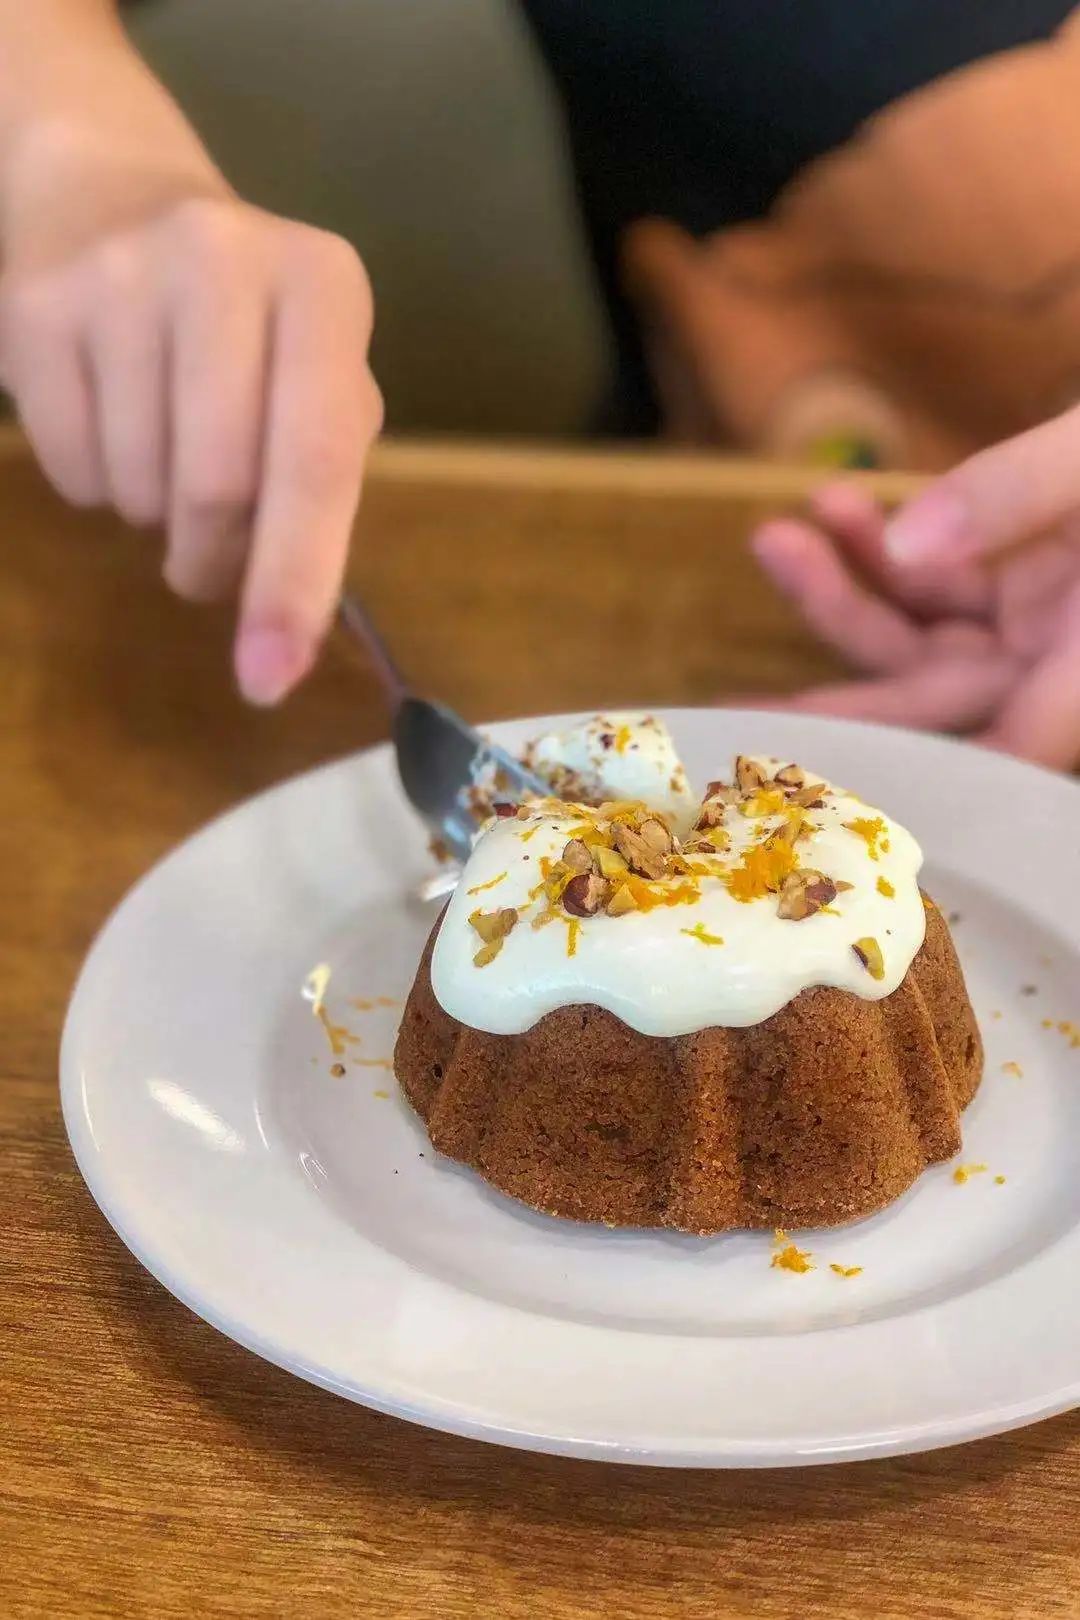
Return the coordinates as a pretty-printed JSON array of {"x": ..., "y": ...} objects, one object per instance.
[{"x": 307, "y": 1217}]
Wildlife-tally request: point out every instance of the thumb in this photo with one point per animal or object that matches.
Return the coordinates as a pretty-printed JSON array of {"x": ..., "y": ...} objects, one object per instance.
[{"x": 994, "y": 499}]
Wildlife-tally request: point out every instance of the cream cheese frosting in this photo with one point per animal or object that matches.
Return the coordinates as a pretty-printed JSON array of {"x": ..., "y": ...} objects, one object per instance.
[
  {"x": 783, "y": 886},
  {"x": 618, "y": 756}
]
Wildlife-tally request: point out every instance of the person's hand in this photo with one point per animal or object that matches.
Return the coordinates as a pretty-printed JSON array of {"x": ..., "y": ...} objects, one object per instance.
[
  {"x": 190, "y": 360},
  {"x": 951, "y": 628}
]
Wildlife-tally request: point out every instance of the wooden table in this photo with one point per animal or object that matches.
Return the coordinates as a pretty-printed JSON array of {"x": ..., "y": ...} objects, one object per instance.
[{"x": 149, "y": 1467}]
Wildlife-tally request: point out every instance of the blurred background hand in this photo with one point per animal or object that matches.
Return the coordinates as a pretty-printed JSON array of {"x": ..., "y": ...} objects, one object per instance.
[
  {"x": 180, "y": 355},
  {"x": 962, "y": 613}
]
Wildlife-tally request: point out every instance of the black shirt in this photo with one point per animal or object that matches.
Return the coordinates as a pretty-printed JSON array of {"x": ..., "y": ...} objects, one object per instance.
[{"x": 701, "y": 111}]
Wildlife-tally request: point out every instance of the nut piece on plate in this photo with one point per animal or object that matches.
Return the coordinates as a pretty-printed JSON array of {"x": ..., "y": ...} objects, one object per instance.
[{"x": 576, "y": 856}]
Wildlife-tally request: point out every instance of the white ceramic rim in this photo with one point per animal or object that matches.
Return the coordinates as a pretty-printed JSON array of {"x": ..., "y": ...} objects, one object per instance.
[{"x": 1028, "y": 1304}]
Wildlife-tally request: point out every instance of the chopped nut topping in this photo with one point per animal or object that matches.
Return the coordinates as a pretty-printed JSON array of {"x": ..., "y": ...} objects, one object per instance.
[
  {"x": 656, "y": 835},
  {"x": 712, "y": 814},
  {"x": 711, "y": 841},
  {"x": 492, "y": 925},
  {"x": 620, "y": 809},
  {"x": 723, "y": 792},
  {"x": 612, "y": 865},
  {"x": 749, "y": 774},
  {"x": 763, "y": 802},
  {"x": 811, "y": 796},
  {"x": 869, "y": 953},
  {"x": 803, "y": 893},
  {"x": 576, "y": 857},
  {"x": 487, "y": 953},
  {"x": 622, "y": 856},
  {"x": 566, "y": 785},
  {"x": 640, "y": 856},
  {"x": 585, "y": 894},
  {"x": 790, "y": 831},
  {"x": 622, "y": 901}
]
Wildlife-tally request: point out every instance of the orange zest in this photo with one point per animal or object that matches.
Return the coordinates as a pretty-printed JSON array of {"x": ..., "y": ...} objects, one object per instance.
[{"x": 871, "y": 829}]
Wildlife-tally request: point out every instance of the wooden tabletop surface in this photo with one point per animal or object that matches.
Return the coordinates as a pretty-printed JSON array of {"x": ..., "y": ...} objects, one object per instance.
[{"x": 148, "y": 1466}]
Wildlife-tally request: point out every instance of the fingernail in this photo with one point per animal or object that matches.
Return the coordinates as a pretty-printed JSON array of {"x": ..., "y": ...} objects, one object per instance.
[
  {"x": 269, "y": 662},
  {"x": 936, "y": 527}
]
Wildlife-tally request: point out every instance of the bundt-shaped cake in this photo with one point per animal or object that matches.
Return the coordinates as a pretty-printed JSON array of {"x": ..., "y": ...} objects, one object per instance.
[{"x": 756, "y": 1021}]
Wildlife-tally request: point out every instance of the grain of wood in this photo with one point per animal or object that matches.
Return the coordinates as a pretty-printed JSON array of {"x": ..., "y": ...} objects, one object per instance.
[{"x": 149, "y": 1467}]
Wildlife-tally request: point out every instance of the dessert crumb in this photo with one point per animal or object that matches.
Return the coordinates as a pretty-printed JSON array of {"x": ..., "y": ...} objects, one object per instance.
[{"x": 792, "y": 1259}]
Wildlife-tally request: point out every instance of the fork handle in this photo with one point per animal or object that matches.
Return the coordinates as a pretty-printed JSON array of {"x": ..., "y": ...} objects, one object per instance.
[{"x": 354, "y": 616}]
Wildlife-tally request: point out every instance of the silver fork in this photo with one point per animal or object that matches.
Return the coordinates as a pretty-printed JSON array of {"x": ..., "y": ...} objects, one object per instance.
[{"x": 439, "y": 758}]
